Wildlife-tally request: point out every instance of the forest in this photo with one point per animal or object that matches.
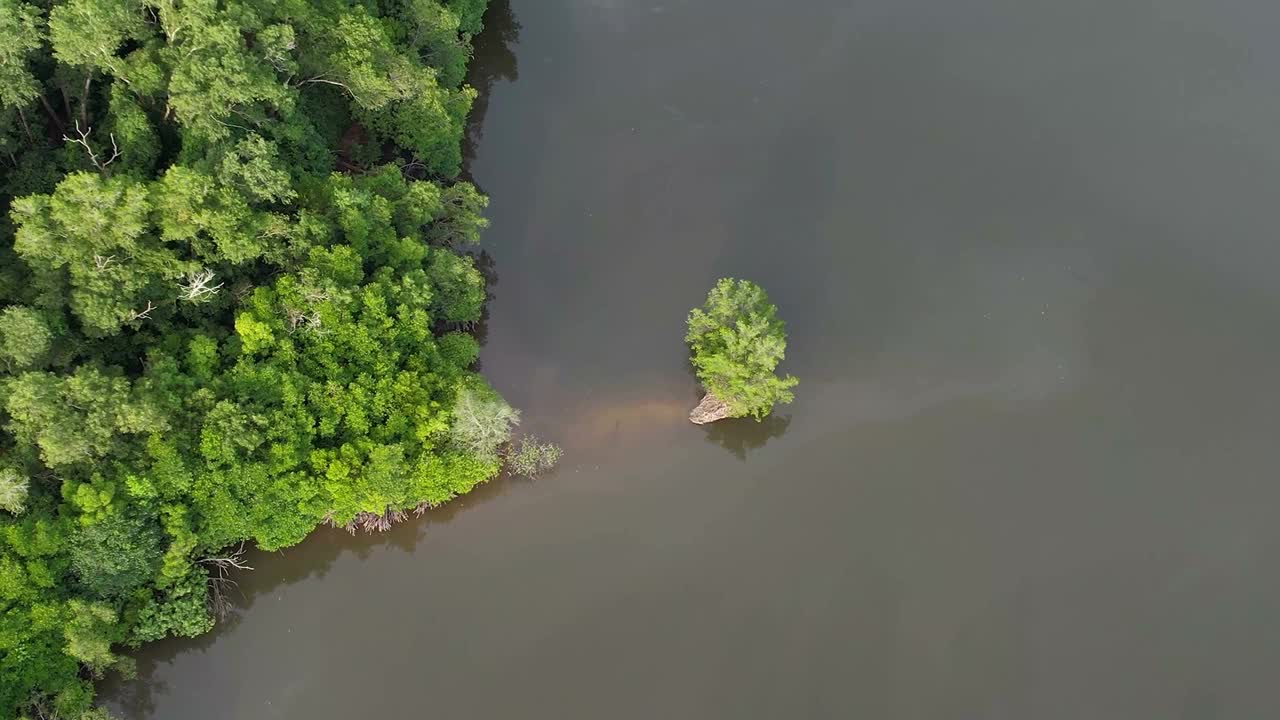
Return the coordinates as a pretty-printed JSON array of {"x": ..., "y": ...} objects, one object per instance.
[{"x": 236, "y": 302}]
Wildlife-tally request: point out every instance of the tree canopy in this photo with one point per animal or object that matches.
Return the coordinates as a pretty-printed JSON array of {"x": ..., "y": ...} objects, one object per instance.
[
  {"x": 737, "y": 342},
  {"x": 234, "y": 303}
]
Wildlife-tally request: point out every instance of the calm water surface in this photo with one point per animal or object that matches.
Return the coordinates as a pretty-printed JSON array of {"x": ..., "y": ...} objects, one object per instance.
[{"x": 1028, "y": 255}]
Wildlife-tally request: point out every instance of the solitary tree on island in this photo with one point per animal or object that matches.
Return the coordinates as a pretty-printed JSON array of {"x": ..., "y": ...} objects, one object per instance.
[{"x": 737, "y": 342}]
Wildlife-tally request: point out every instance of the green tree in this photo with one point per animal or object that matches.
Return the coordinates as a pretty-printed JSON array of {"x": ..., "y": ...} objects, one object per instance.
[
  {"x": 97, "y": 234},
  {"x": 90, "y": 631},
  {"x": 24, "y": 337},
  {"x": 21, "y": 34},
  {"x": 115, "y": 555},
  {"x": 90, "y": 33},
  {"x": 737, "y": 342}
]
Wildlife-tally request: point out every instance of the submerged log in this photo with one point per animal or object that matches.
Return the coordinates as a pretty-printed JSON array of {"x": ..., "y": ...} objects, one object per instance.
[{"x": 709, "y": 410}]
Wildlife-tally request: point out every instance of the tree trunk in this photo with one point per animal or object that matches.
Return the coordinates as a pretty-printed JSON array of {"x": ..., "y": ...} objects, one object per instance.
[
  {"x": 23, "y": 117},
  {"x": 53, "y": 116},
  {"x": 709, "y": 410}
]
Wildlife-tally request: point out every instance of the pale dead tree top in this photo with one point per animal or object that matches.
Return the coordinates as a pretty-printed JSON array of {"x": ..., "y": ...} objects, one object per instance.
[
  {"x": 196, "y": 288},
  {"x": 83, "y": 141},
  {"x": 304, "y": 320},
  {"x": 102, "y": 263}
]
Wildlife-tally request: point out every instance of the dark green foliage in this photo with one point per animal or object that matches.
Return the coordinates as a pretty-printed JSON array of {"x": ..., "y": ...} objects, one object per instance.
[
  {"x": 225, "y": 314},
  {"x": 115, "y": 555},
  {"x": 737, "y": 342}
]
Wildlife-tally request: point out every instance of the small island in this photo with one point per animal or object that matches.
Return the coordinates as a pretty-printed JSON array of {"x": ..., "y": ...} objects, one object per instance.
[{"x": 737, "y": 342}]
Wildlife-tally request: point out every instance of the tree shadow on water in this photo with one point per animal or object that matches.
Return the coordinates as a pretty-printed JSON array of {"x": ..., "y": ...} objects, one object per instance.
[
  {"x": 494, "y": 59},
  {"x": 742, "y": 435}
]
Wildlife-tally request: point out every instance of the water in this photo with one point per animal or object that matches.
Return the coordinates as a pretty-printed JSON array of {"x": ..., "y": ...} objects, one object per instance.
[{"x": 1027, "y": 252}]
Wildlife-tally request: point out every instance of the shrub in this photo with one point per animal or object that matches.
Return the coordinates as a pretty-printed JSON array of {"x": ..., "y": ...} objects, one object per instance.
[{"x": 533, "y": 457}]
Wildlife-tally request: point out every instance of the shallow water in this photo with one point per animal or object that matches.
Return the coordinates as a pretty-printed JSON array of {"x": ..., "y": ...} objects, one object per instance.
[{"x": 1027, "y": 254}]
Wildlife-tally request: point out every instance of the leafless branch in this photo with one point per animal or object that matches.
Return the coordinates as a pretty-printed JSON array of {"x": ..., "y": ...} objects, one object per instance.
[
  {"x": 102, "y": 263},
  {"x": 241, "y": 289},
  {"x": 321, "y": 79},
  {"x": 83, "y": 141},
  {"x": 232, "y": 561},
  {"x": 145, "y": 314},
  {"x": 197, "y": 287},
  {"x": 299, "y": 319},
  {"x": 220, "y": 582}
]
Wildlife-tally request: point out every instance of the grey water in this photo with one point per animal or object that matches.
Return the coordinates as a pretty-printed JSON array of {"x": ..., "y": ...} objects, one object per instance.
[{"x": 1027, "y": 252}]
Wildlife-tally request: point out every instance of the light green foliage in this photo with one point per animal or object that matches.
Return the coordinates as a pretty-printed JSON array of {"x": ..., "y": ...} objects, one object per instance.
[
  {"x": 217, "y": 324},
  {"x": 470, "y": 13},
  {"x": 253, "y": 167},
  {"x": 89, "y": 33},
  {"x": 21, "y": 34},
  {"x": 97, "y": 234},
  {"x": 459, "y": 287},
  {"x": 24, "y": 337},
  {"x": 13, "y": 491},
  {"x": 482, "y": 423},
  {"x": 532, "y": 457},
  {"x": 78, "y": 417},
  {"x": 90, "y": 631},
  {"x": 218, "y": 82},
  {"x": 737, "y": 342},
  {"x": 460, "y": 221}
]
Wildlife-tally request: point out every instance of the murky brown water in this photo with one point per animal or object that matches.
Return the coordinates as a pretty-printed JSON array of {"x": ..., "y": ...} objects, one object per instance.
[{"x": 1028, "y": 254}]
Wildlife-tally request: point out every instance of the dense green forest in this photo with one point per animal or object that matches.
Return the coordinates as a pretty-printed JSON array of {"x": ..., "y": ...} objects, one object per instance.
[{"x": 234, "y": 304}]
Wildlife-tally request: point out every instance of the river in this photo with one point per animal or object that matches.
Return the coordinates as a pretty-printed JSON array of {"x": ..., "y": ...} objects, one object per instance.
[{"x": 1027, "y": 252}]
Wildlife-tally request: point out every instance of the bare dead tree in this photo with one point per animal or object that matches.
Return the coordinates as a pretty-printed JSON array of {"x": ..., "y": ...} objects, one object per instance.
[
  {"x": 308, "y": 318},
  {"x": 102, "y": 263},
  {"x": 83, "y": 141},
  {"x": 197, "y": 287},
  {"x": 298, "y": 319}
]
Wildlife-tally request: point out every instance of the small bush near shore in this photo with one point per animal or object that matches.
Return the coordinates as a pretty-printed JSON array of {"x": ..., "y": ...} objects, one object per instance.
[{"x": 533, "y": 457}]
